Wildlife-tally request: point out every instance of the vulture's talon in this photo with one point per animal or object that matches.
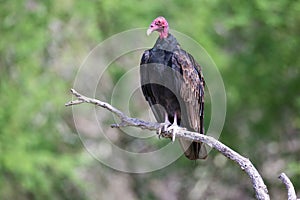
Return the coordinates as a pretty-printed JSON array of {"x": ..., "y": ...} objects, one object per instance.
[
  {"x": 159, "y": 132},
  {"x": 174, "y": 129},
  {"x": 163, "y": 128}
]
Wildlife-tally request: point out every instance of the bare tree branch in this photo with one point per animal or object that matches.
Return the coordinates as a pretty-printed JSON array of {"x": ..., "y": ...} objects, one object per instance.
[
  {"x": 125, "y": 120},
  {"x": 289, "y": 186},
  {"x": 260, "y": 188}
]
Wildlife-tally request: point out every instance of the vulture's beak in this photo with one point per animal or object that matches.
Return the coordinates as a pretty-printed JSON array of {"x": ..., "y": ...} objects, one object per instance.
[{"x": 149, "y": 31}]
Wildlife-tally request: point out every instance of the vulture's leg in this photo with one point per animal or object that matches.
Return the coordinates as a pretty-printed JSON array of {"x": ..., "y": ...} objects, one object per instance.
[
  {"x": 174, "y": 128},
  {"x": 164, "y": 126}
]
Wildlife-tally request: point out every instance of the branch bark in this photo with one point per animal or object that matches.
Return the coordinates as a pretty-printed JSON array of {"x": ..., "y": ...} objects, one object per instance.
[
  {"x": 258, "y": 184},
  {"x": 289, "y": 186}
]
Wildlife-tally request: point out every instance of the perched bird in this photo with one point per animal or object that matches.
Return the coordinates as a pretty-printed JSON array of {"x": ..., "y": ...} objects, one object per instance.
[{"x": 173, "y": 85}]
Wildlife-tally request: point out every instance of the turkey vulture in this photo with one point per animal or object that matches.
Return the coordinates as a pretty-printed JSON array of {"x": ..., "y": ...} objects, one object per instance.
[{"x": 173, "y": 85}]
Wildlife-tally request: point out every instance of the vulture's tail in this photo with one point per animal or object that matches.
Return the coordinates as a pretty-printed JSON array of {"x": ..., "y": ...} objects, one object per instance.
[{"x": 193, "y": 150}]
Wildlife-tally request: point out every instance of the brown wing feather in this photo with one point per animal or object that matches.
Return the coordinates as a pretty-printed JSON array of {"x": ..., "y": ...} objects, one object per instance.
[
  {"x": 192, "y": 89},
  {"x": 192, "y": 93}
]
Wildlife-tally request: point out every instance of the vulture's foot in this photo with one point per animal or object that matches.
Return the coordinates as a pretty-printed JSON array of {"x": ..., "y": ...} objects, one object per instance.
[
  {"x": 164, "y": 126},
  {"x": 174, "y": 128}
]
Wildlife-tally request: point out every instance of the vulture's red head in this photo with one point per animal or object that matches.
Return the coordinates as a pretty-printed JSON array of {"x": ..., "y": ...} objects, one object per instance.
[{"x": 160, "y": 25}]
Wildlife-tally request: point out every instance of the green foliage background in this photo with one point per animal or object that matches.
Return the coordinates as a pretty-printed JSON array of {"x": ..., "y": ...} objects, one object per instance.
[{"x": 255, "y": 44}]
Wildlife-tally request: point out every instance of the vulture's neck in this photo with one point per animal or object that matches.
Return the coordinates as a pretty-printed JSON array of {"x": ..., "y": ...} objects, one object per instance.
[{"x": 169, "y": 43}]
